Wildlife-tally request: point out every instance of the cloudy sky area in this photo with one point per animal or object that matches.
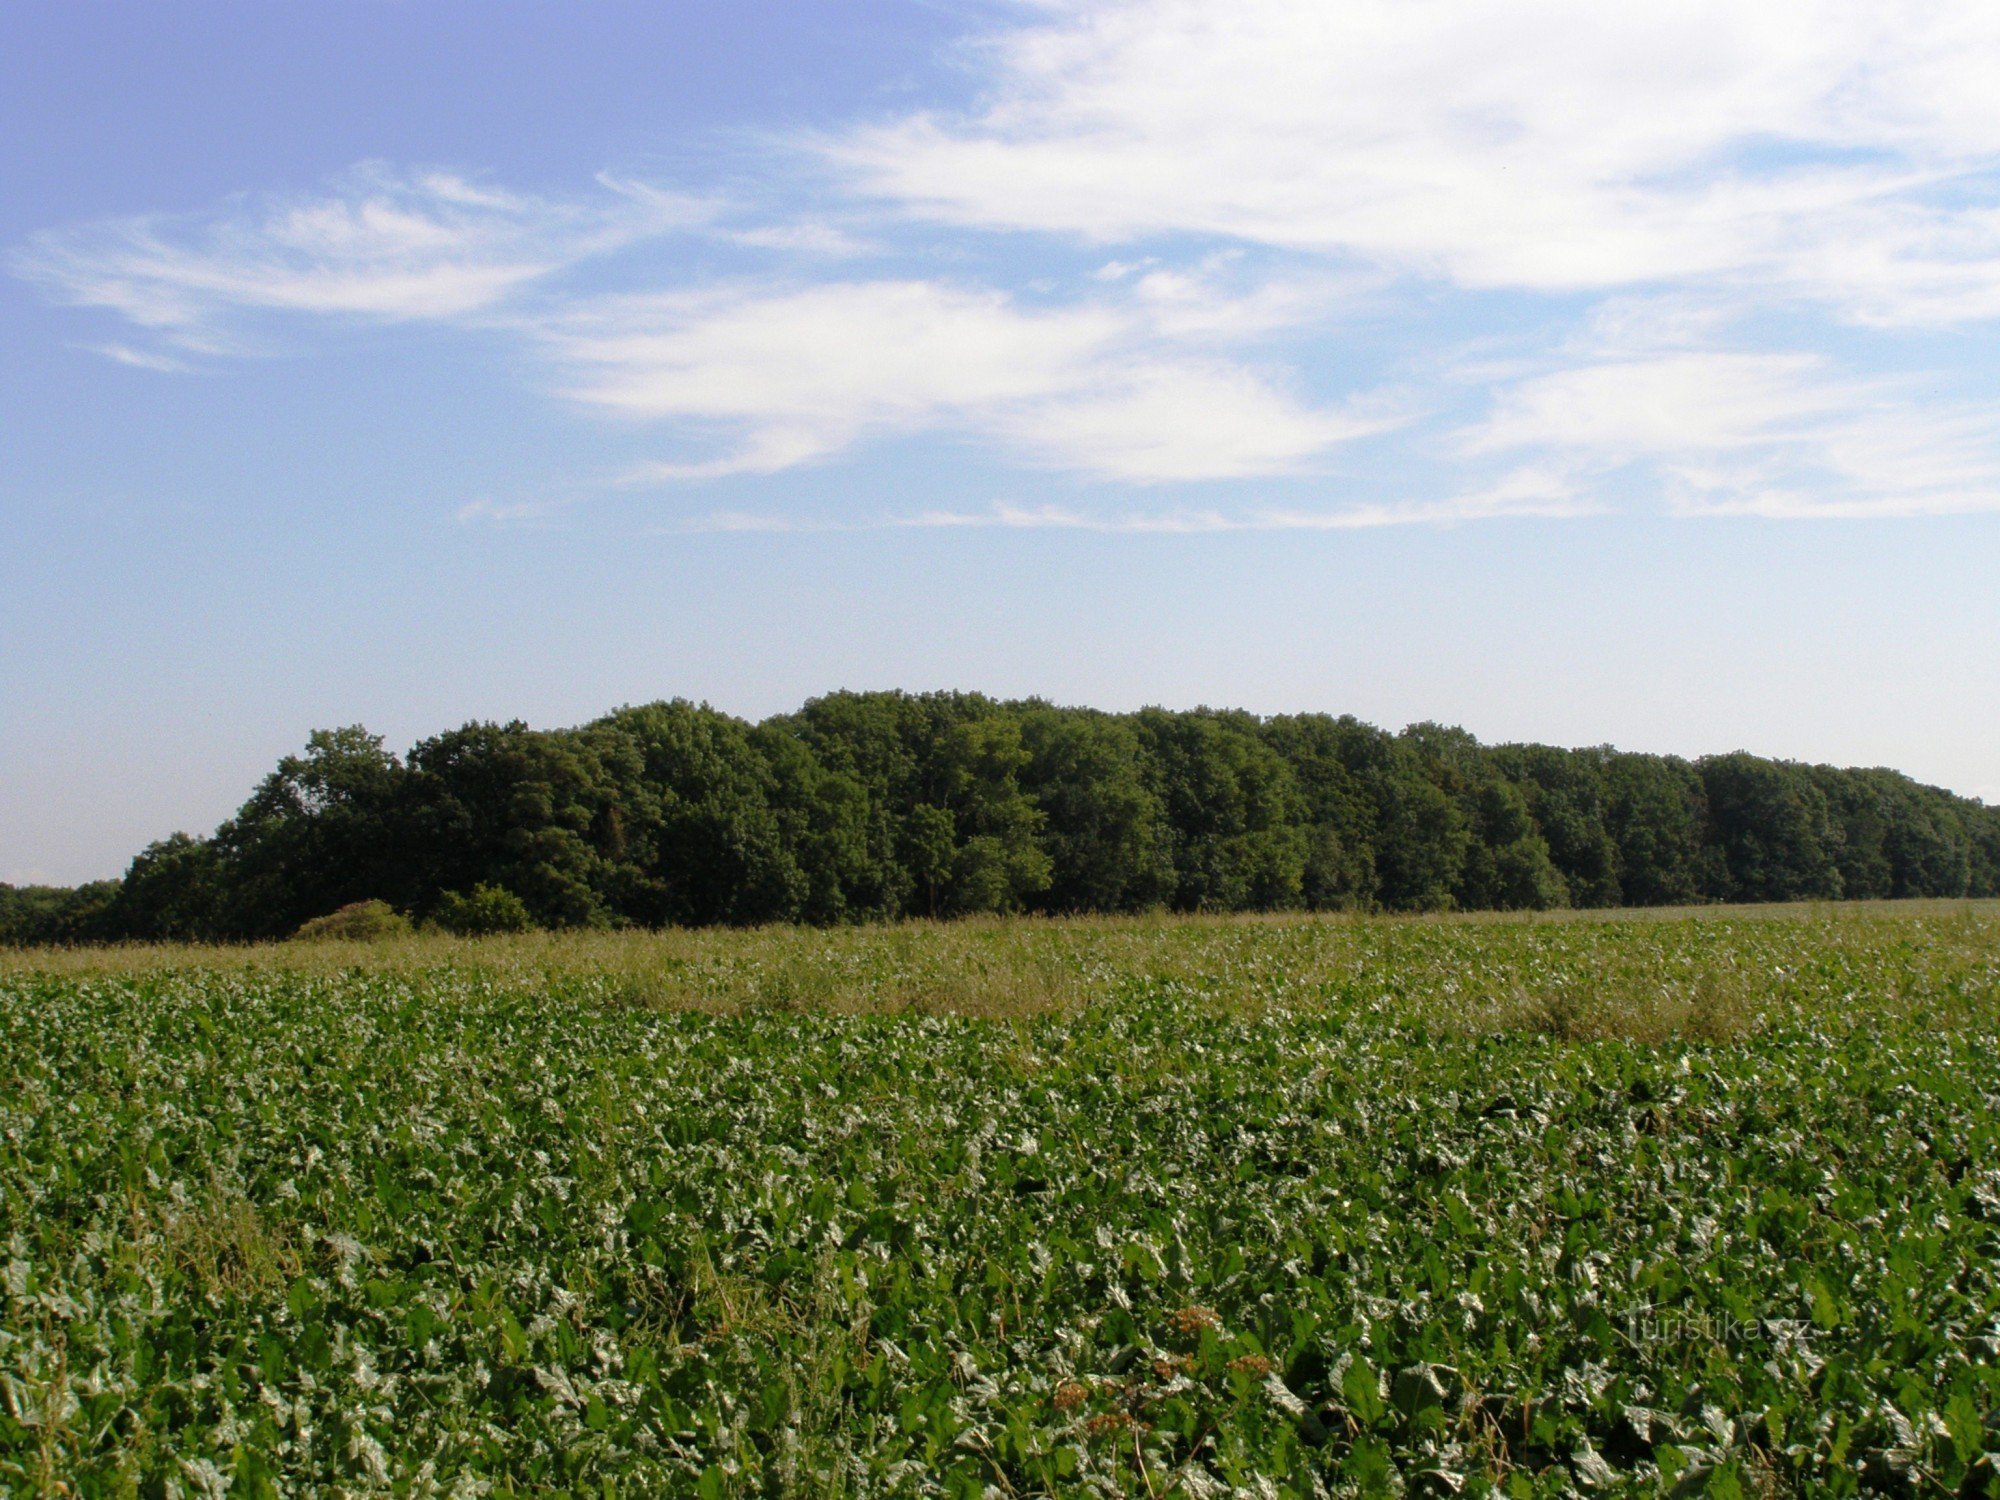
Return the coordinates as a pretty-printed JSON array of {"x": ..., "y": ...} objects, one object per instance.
[{"x": 1571, "y": 372}]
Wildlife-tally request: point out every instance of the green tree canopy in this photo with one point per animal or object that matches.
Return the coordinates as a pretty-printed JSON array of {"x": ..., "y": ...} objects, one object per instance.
[{"x": 869, "y": 806}]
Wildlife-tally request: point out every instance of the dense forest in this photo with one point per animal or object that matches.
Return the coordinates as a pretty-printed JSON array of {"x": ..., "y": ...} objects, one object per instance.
[{"x": 872, "y": 806}]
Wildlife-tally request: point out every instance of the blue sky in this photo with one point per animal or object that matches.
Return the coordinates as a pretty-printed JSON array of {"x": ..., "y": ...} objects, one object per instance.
[{"x": 1566, "y": 372}]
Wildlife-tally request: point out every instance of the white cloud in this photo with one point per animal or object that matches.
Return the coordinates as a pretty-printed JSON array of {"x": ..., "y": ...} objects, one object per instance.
[
  {"x": 1777, "y": 435},
  {"x": 805, "y": 237},
  {"x": 1129, "y": 382},
  {"x": 1215, "y": 300},
  {"x": 1171, "y": 419},
  {"x": 139, "y": 359},
  {"x": 1526, "y": 493},
  {"x": 1664, "y": 404},
  {"x": 533, "y": 514},
  {"x": 1357, "y": 160},
  {"x": 379, "y": 245},
  {"x": 1837, "y": 150},
  {"x": 788, "y": 376}
]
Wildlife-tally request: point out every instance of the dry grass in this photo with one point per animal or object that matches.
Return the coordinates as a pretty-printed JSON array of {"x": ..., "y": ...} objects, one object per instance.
[
  {"x": 1707, "y": 973},
  {"x": 218, "y": 1245},
  {"x": 214, "y": 1246},
  {"x": 815, "y": 1335}
]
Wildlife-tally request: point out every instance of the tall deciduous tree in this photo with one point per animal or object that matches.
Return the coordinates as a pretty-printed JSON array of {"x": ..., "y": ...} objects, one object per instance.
[{"x": 865, "y": 806}]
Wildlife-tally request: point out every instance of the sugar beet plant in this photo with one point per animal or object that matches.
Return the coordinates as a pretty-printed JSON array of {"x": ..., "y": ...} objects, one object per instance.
[{"x": 450, "y": 1232}]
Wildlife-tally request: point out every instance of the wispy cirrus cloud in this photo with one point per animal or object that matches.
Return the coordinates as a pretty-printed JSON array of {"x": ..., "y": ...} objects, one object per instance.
[
  {"x": 1835, "y": 152},
  {"x": 786, "y": 376},
  {"x": 1525, "y": 493},
  {"x": 1176, "y": 244},
  {"x": 140, "y": 359},
  {"x": 1128, "y": 378},
  {"x": 1782, "y": 435},
  {"x": 377, "y": 245}
]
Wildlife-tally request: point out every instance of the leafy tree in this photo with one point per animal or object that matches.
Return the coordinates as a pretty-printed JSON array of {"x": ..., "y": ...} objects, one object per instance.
[
  {"x": 175, "y": 890},
  {"x": 503, "y": 804},
  {"x": 872, "y": 742},
  {"x": 930, "y": 851},
  {"x": 824, "y": 817},
  {"x": 1983, "y": 850},
  {"x": 955, "y": 752},
  {"x": 357, "y": 922},
  {"x": 694, "y": 821},
  {"x": 868, "y": 806},
  {"x": 1566, "y": 798},
  {"x": 1656, "y": 812},
  {"x": 1897, "y": 838},
  {"x": 1332, "y": 761},
  {"x": 317, "y": 834},
  {"x": 1862, "y": 807},
  {"x": 1776, "y": 832},
  {"x": 999, "y": 864},
  {"x": 39, "y": 915},
  {"x": 488, "y": 910},
  {"x": 1926, "y": 840},
  {"x": 1507, "y": 865},
  {"x": 1234, "y": 809},
  {"x": 1423, "y": 833},
  {"x": 1109, "y": 844}
]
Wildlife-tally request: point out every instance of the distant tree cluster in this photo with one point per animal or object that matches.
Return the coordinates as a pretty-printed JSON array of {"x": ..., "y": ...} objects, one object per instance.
[{"x": 873, "y": 806}]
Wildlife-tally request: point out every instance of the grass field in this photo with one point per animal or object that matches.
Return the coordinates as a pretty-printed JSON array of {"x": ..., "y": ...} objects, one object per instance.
[{"x": 1696, "y": 1202}]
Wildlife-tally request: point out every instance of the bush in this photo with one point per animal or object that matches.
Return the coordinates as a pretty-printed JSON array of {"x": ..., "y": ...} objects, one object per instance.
[
  {"x": 358, "y": 921},
  {"x": 489, "y": 909}
]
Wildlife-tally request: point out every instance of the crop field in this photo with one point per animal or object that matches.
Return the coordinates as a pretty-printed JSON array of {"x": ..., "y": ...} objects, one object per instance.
[{"x": 1689, "y": 1203}]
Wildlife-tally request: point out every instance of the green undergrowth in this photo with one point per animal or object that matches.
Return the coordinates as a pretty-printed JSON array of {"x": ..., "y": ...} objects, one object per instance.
[{"x": 1251, "y": 1209}]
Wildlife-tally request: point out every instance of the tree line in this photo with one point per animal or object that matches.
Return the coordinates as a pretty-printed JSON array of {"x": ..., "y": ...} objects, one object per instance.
[{"x": 875, "y": 806}]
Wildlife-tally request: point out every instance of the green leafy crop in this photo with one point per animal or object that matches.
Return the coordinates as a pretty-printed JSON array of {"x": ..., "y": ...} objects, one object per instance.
[{"x": 1433, "y": 1220}]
